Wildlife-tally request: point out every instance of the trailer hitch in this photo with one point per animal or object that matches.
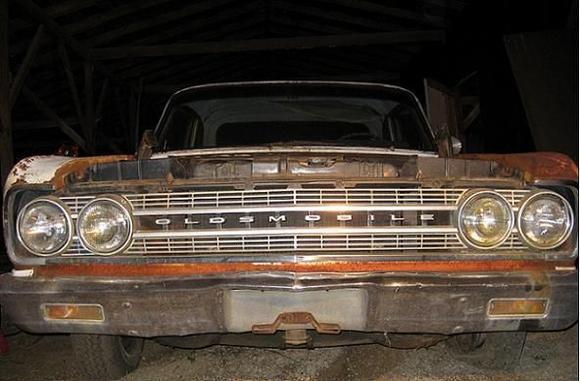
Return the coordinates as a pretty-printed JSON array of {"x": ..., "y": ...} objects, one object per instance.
[{"x": 296, "y": 319}]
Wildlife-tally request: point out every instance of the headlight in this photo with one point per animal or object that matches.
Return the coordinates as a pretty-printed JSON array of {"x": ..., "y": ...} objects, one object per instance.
[
  {"x": 485, "y": 219},
  {"x": 44, "y": 227},
  {"x": 104, "y": 226},
  {"x": 545, "y": 220}
]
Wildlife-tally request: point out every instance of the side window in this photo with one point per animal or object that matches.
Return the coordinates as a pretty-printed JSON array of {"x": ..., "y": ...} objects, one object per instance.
[{"x": 182, "y": 130}]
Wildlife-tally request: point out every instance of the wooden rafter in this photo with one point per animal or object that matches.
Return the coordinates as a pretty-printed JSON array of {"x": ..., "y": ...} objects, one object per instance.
[
  {"x": 89, "y": 125},
  {"x": 52, "y": 115},
  {"x": 359, "y": 39},
  {"x": 71, "y": 83},
  {"x": 417, "y": 18},
  {"x": 40, "y": 16},
  {"x": 334, "y": 16},
  {"x": 26, "y": 65},
  {"x": 152, "y": 21},
  {"x": 123, "y": 9}
]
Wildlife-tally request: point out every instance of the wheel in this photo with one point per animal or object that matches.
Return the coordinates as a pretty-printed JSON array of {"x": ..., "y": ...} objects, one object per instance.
[
  {"x": 466, "y": 343},
  {"x": 102, "y": 357},
  {"x": 498, "y": 350}
]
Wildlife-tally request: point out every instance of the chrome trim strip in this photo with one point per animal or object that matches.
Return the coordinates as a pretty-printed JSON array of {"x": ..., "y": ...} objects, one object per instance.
[
  {"x": 291, "y": 231},
  {"x": 358, "y": 150},
  {"x": 301, "y": 208}
]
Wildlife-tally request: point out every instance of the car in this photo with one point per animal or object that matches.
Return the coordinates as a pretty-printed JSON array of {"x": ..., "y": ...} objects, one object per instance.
[{"x": 289, "y": 214}]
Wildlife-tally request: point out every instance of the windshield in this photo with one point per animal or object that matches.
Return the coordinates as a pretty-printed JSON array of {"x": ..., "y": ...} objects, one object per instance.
[{"x": 253, "y": 115}]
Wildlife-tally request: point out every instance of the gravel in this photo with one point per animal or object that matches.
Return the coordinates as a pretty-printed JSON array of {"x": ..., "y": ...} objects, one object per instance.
[{"x": 546, "y": 356}]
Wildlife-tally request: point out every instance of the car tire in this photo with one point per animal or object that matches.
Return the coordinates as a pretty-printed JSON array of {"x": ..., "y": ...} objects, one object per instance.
[
  {"x": 466, "y": 343},
  {"x": 103, "y": 357},
  {"x": 497, "y": 350}
]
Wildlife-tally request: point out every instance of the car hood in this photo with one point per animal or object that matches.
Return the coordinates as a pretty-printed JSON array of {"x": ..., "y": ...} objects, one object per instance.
[{"x": 248, "y": 166}]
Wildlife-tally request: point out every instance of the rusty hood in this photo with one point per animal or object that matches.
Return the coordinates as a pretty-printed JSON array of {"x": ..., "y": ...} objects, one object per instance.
[{"x": 262, "y": 164}]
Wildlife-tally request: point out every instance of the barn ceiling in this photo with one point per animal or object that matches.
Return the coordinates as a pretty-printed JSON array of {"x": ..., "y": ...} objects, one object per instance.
[{"x": 90, "y": 71}]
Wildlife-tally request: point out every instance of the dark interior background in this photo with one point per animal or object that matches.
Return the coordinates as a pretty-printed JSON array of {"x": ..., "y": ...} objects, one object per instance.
[{"x": 511, "y": 66}]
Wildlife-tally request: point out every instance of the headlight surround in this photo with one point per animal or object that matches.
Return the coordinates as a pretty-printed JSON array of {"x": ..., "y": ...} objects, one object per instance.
[
  {"x": 44, "y": 227},
  {"x": 485, "y": 219},
  {"x": 545, "y": 220},
  {"x": 105, "y": 226}
]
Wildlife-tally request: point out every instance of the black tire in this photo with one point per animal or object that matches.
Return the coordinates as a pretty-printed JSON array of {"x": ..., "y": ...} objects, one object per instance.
[
  {"x": 102, "y": 357},
  {"x": 497, "y": 351},
  {"x": 466, "y": 343}
]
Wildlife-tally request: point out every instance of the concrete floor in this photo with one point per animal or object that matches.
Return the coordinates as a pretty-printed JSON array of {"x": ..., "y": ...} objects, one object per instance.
[{"x": 546, "y": 356}]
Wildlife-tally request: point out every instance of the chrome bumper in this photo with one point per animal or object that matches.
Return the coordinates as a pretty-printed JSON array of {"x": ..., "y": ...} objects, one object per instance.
[{"x": 391, "y": 302}]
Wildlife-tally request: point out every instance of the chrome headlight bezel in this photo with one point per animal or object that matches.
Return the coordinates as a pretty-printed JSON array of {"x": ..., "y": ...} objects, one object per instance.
[
  {"x": 479, "y": 193},
  {"x": 569, "y": 225},
  {"x": 67, "y": 214},
  {"x": 126, "y": 209}
]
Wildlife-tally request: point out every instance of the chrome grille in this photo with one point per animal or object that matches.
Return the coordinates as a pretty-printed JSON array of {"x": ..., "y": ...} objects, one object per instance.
[
  {"x": 395, "y": 196},
  {"x": 290, "y": 243},
  {"x": 259, "y": 239},
  {"x": 276, "y": 197}
]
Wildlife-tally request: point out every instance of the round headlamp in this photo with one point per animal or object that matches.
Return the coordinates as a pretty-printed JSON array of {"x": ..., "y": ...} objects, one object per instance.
[
  {"x": 545, "y": 220},
  {"x": 485, "y": 219},
  {"x": 104, "y": 225},
  {"x": 44, "y": 227}
]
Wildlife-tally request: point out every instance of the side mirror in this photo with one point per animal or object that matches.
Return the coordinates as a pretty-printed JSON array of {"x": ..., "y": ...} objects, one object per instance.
[
  {"x": 146, "y": 145},
  {"x": 456, "y": 145}
]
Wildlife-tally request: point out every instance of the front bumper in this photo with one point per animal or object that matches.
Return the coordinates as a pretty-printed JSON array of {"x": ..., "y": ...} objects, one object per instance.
[{"x": 393, "y": 302}]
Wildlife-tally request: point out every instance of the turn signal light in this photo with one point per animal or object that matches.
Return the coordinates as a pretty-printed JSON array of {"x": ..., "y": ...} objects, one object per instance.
[
  {"x": 517, "y": 307},
  {"x": 74, "y": 312}
]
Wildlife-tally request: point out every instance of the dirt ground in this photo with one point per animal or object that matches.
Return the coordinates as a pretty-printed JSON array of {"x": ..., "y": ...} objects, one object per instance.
[{"x": 546, "y": 356}]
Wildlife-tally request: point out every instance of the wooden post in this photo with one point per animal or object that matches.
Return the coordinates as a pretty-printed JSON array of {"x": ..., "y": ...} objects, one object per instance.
[
  {"x": 89, "y": 107},
  {"x": 6, "y": 153}
]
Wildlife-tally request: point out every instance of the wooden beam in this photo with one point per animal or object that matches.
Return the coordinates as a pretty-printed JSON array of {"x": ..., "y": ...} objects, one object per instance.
[
  {"x": 50, "y": 114},
  {"x": 27, "y": 62},
  {"x": 89, "y": 126},
  {"x": 267, "y": 44},
  {"x": 171, "y": 15},
  {"x": 6, "y": 153},
  {"x": 347, "y": 20},
  {"x": 470, "y": 118},
  {"x": 40, "y": 125},
  {"x": 100, "y": 18},
  {"x": 40, "y": 16},
  {"x": 62, "y": 8},
  {"x": 419, "y": 17},
  {"x": 101, "y": 99},
  {"x": 71, "y": 83}
]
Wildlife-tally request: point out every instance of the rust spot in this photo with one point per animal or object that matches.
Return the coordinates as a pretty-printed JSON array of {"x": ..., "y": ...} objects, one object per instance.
[
  {"x": 78, "y": 167},
  {"x": 541, "y": 285},
  {"x": 536, "y": 165},
  {"x": 185, "y": 269}
]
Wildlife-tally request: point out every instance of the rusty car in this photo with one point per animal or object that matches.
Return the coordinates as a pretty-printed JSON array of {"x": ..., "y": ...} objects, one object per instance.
[{"x": 289, "y": 214}]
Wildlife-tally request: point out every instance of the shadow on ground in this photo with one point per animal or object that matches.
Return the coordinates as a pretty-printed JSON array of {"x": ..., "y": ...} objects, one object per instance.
[{"x": 546, "y": 357}]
